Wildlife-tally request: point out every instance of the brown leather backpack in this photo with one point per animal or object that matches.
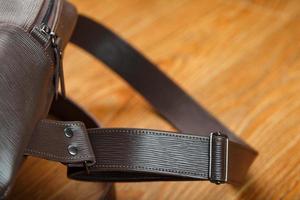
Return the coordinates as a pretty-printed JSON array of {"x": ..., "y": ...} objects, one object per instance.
[{"x": 33, "y": 35}]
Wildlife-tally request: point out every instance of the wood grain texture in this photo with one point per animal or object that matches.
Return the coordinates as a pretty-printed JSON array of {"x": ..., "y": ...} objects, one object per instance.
[{"x": 238, "y": 58}]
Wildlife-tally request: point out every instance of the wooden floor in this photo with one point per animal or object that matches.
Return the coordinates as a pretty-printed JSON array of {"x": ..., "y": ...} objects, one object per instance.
[{"x": 238, "y": 58}]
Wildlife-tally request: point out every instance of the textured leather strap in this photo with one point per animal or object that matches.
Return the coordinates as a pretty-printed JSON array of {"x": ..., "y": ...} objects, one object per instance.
[
  {"x": 133, "y": 154},
  {"x": 175, "y": 105}
]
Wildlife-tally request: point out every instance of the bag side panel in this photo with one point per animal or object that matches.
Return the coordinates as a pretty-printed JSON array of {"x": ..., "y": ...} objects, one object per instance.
[{"x": 26, "y": 90}]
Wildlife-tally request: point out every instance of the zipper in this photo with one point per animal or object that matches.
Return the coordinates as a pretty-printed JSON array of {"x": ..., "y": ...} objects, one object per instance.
[
  {"x": 48, "y": 13},
  {"x": 45, "y": 34}
]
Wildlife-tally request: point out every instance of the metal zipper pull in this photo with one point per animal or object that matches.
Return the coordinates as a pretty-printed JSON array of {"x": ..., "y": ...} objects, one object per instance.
[
  {"x": 59, "y": 73},
  {"x": 43, "y": 34}
]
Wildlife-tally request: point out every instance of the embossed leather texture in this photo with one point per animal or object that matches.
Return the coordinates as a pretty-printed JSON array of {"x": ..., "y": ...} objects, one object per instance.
[{"x": 26, "y": 75}]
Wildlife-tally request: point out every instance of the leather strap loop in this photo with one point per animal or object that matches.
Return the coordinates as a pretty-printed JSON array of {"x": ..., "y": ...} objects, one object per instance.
[{"x": 65, "y": 142}]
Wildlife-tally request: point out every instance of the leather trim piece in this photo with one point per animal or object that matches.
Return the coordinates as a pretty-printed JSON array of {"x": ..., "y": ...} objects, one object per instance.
[{"x": 49, "y": 141}]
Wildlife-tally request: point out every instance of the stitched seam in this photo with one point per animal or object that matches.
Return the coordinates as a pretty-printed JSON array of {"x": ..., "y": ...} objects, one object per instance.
[
  {"x": 148, "y": 132},
  {"x": 48, "y": 123},
  {"x": 150, "y": 168},
  {"x": 55, "y": 156},
  {"x": 84, "y": 133},
  {"x": 61, "y": 126}
]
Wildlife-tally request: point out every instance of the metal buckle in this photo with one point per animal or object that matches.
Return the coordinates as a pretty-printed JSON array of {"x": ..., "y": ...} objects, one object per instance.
[{"x": 224, "y": 170}]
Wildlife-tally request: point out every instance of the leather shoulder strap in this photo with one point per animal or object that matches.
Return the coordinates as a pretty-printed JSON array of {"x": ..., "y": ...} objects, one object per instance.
[
  {"x": 162, "y": 93},
  {"x": 134, "y": 151},
  {"x": 124, "y": 154}
]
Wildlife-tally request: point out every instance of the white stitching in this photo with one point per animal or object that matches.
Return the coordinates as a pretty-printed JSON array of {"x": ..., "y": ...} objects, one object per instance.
[
  {"x": 147, "y": 132},
  {"x": 55, "y": 156},
  {"x": 150, "y": 168}
]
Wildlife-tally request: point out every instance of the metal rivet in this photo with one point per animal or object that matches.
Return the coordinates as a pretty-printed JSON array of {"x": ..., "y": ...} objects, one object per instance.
[
  {"x": 68, "y": 132},
  {"x": 72, "y": 150}
]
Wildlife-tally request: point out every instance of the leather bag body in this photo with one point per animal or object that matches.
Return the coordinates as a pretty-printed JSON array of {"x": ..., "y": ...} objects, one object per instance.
[{"x": 27, "y": 71}]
